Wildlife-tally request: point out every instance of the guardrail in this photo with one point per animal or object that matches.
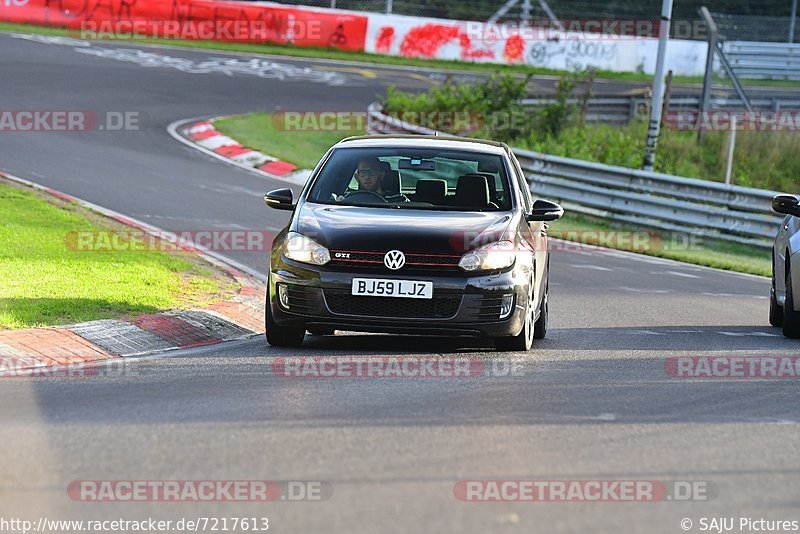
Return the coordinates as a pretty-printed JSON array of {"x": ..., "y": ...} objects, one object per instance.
[
  {"x": 777, "y": 61},
  {"x": 654, "y": 200},
  {"x": 622, "y": 109}
]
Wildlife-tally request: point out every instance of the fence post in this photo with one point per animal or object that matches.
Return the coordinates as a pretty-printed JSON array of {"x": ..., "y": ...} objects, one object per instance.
[
  {"x": 654, "y": 127},
  {"x": 731, "y": 148},
  {"x": 667, "y": 96},
  {"x": 526, "y": 11},
  {"x": 713, "y": 37},
  {"x": 587, "y": 96}
]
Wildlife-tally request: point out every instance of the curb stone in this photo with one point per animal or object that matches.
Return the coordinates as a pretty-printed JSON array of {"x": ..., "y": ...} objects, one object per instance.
[{"x": 203, "y": 135}]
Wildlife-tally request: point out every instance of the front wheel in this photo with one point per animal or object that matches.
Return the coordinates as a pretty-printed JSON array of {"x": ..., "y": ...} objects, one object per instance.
[{"x": 278, "y": 335}]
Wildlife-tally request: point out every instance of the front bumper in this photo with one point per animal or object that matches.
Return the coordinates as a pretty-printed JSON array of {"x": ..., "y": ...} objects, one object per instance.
[{"x": 461, "y": 304}]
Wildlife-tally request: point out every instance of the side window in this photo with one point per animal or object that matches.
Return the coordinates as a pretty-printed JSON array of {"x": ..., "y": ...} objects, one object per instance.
[{"x": 523, "y": 184}]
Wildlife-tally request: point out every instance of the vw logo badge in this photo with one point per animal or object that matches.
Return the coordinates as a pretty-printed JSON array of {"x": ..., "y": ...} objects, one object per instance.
[{"x": 394, "y": 259}]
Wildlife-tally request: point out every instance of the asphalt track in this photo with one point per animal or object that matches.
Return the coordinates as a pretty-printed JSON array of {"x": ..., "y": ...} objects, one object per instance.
[{"x": 592, "y": 401}]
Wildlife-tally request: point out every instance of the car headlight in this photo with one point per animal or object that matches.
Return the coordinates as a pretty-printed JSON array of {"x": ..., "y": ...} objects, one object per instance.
[
  {"x": 500, "y": 255},
  {"x": 300, "y": 248}
]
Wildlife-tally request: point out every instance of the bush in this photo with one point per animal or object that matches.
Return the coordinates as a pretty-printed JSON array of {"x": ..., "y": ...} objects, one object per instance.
[
  {"x": 484, "y": 101},
  {"x": 766, "y": 160}
]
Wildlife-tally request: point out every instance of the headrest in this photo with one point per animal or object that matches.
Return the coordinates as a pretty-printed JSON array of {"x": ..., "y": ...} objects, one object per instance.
[
  {"x": 472, "y": 190},
  {"x": 431, "y": 188}
]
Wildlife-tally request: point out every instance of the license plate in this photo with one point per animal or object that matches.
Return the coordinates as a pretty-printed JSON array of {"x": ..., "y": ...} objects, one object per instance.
[{"x": 392, "y": 288}]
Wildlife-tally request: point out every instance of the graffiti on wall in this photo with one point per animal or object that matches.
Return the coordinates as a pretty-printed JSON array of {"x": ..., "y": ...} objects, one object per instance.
[
  {"x": 429, "y": 41},
  {"x": 573, "y": 54}
]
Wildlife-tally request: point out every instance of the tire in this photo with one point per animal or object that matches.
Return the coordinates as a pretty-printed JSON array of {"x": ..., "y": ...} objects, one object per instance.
[
  {"x": 791, "y": 318},
  {"x": 540, "y": 326},
  {"x": 278, "y": 335},
  {"x": 523, "y": 341},
  {"x": 775, "y": 310}
]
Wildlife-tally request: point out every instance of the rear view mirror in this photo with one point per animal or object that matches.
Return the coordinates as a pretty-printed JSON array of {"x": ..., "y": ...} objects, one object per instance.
[
  {"x": 786, "y": 204},
  {"x": 490, "y": 167},
  {"x": 416, "y": 165},
  {"x": 280, "y": 199},
  {"x": 544, "y": 211}
]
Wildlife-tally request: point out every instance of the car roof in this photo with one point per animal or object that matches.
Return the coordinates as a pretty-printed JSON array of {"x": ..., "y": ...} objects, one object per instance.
[{"x": 424, "y": 141}]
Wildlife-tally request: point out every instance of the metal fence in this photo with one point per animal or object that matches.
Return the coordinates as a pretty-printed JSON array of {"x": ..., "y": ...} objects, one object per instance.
[
  {"x": 763, "y": 28},
  {"x": 615, "y": 109},
  {"x": 648, "y": 199},
  {"x": 780, "y": 61}
]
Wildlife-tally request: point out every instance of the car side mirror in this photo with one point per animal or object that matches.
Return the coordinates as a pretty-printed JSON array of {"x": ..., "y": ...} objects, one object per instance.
[
  {"x": 280, "y": 199},
  {"x": 786, "y": 204},
  {"x": 544, "y": 211}
]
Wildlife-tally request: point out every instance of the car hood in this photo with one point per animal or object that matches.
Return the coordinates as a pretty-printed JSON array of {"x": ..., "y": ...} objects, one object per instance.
[{"x": 412, "y": 231}]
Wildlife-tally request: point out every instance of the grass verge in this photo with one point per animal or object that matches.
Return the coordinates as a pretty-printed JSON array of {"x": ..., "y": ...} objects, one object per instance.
[
  {"x": 45, "y": 282},
  {"x": 367, "y": 58},
  {"x": 258, "y": 131},
  {"x": 305, "y": 148}
]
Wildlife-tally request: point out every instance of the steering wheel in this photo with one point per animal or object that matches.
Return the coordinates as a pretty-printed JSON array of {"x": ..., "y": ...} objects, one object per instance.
[{"x": 372, "y": 194}]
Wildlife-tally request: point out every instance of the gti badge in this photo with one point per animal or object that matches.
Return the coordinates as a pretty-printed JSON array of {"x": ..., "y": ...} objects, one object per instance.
[{"x": 394, "y": 259}]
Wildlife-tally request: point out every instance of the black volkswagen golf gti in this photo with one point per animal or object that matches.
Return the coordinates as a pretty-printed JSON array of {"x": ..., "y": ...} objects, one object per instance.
[{"x": 412, "y": 235}]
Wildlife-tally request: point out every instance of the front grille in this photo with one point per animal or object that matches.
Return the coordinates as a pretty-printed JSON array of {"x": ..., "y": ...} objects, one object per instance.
[
  {"x": 439, "y": 307},
  {"x": 344, "y": 257}
]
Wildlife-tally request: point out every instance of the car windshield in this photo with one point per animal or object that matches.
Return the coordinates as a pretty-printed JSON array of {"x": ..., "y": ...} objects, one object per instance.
[{"x": 413, "y": 178}]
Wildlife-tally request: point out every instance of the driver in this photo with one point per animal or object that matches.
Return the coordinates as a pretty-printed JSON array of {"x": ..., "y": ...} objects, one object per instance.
[{"x": 370, "y": 175}]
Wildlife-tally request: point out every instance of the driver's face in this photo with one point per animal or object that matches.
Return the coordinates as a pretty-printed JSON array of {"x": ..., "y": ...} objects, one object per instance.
[{"x": 369, "y": 176}]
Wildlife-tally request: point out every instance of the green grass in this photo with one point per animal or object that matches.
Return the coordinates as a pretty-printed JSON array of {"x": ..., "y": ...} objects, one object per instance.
[
  {"x": 308, "y": 147},
  {"x": 377, "y": 59},
  {"x": 260, "y": 132},
  {"x": 45, "y": 282}
]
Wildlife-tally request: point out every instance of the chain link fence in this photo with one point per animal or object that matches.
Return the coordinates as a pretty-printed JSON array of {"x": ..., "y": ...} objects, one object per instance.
[
  {"x": 761, "y": 28},
  {"x": 739, "y": 20}
]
